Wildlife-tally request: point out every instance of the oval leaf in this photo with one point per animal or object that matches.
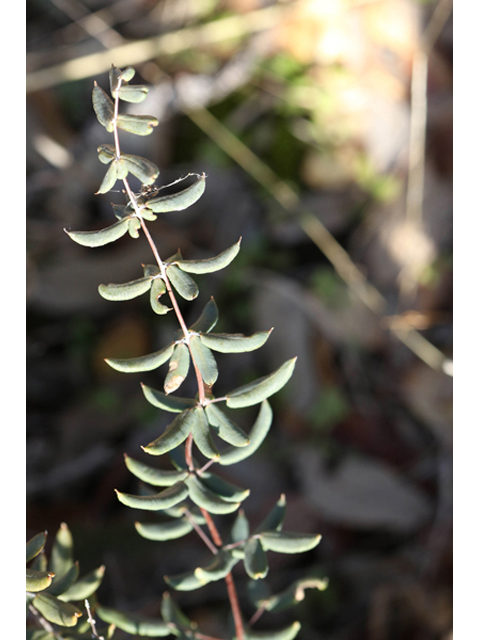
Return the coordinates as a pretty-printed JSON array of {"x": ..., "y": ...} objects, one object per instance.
[
  {"x": 163, "y": 500},
  {"x": 55, "y": 611},
  {"x": 182, "y": 282},
  {"x": 178, "y": 368},
  {"x": 288, "y": 633},
  {"x": 274, "y": 520},
  {"x": 62, "y": 583},
  {"x": 103, "y": 107},
  {"x": 139, "y": 125},
  {"x": 100, "y": 237},
  {"x": 234, "y": 343},
  {"x": 174, "y": 434},
  {"x": 61, "y": 558},
  {"x": 168, "y": 403},
  {"x": 85, "y": 587},
  {"x": 220, "y": 566},
  {"x": 135, "y": 624},
  {"x": 178, "y": 201},
  {"x": 126, "y": 291},
  {"x": 206, "y": 499},
  {"x": 226, "y": 428},
  {"x": 187, "y": 581},
  {"x": 133, "y": 93},
  {"x": 38, "y": 580},
  {"x": 204, "y": 360},
  {"x": 157, "y": 291},
  {"x": 209, "y": 265},
  {"x": 155, "y": 477},
  {"x": 109, "y": 178},
  {"x": 287, "y": 542},
  {"x": 207, "y": 320},
  {"x": 141, "y": 168},
  {"x": 202, "y": 436},
  {"x": 256, "y": 564},
  {"x": 257, "y": 435},
  {"x": 224, "y": 489},
  {"x": 262, "y": 388},
  {"x": 161, "y": 531},
  {"x": 35, "y": 545},
  {"x": 142, "y": 363}
]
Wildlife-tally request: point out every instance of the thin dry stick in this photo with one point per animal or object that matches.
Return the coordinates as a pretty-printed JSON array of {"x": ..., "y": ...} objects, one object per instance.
[
  {"x": 317, "y": 232},
  {"x": 92, "y": 622}
]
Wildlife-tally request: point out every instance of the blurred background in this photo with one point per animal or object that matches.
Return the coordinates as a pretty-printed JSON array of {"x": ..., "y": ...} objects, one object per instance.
[{"x": 325, "y": 129}]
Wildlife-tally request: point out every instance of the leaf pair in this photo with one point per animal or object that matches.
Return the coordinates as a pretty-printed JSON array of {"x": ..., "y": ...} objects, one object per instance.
[{"x": 122, "y": 165}]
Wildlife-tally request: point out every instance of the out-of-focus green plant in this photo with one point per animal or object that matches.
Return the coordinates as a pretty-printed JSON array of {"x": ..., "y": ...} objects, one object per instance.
[{"x": 201, "y": 433}]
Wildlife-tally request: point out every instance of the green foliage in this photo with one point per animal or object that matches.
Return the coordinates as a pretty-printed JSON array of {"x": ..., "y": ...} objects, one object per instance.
[{"x": 191, "y": 492}]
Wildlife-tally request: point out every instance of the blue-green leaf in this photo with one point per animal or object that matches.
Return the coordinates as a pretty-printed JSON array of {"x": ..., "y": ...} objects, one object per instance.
[
  {"x": 133, "y": 93},
  {"x": 160, "y": 400},
  {"x": 207, "y": 320},
  {"x": 141, "y": 168},
  {"x": 226, "y": 428},
  {"x": 226, "y": 490},
  {"x": 163, "y": 500},
  {"x": 182, "y": 282},
  {"x": 257, "y": 435},
  {"x": 84, "y": 587},
  {"x": 218, "y": 568},
  {"x": 142, "y": 363},
  {"x": 38, "y": 580},
  {"x": 178, "y": 201},
  {"x": 178, "y": 368},
  {"x": 100, "y": 237},
  {"x": 172, "y": 613},
  {"x": 240, "y": 528},
  {"x": 234, "y": 342},
  {"x": 103, "y": 107},
  {"x": 153, "y": 476},
  {"x": 125, "y": 291},
  {"x": 288, "y": 542},
  {"x": 288, "y": 633},
  {"x": 256, "y": 564},
  {"x": 294, "y": 594},
  {"x": 174, "y": 434},
  {"x": 209, "y": 265},
  {"x": 139, "y": 125},
  {"x": 207, "y": 499},
  {"x": 35, "y": 545},
  {"x": 202, "y": 436},
  {"x": 274, "y": 520},
  {"x": 109, "y": 178},
  {"x": 135, "y": 624},
  {"x": 61, "y": 558},
  {"x": 63, "y": 582},
  {"x": 262, "y": 388},
  {"x": 204, "y": 360},
  {"x": 161, "y": 531},
  {"x": 55, "y": 611},
  {"x": 186, "y": 581},
  {"x": 156, "y": 292}
]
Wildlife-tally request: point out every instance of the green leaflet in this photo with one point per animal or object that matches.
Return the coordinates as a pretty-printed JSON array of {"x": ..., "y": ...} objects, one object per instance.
[
  {"x": 226, "y": 490},
  {"x": 209, "y": 265},
  {"x": 106, "y": 153},
  {"x": 84, "y": 587},
  {"x": 134, "y": 225},
  {"x": 139, "y": 125},
  {"x": 226, "y": 428},
  {"x": 186, "y": 581},
  {"x": 155, "y": 477},
  {"x": 39, "y": 634},
  {"x": 256, "y": 564},
  {"x": 117, "y": 77},
  {"x": 173, "y": 435},
  {"x": 288, "y": 542},
  {"x": 142, "y": 363},
  {"x": 168, "y": 403},
  {"x": 220, "y": 566},
  {"x": 207, "y": 320},
  {"x": 288, "y": 633},
  {"x": 110, "y": 178},
  {"x": 141, "y": 168},
  {"x": 207, "y": 499},
  {"x": 178, "y": 368},
  {"x": 261, "y": 388},
  {"x": 161, "y": 531},
  {"x": 293, "y": 594},
  {"x": 172, "y": 613},
  {"x": 202, "y": 436},
  {"x": 178, "y": 201},
  {"x": 274, "y": 520},
  {"x": 182, "y": 282},
  {"x": 133, "y": 93},
  {"x": 135, "y": 624},
  {"x": 204, "y": 360},
  {"x": 163, "y": 500},
  {"x": 64, "y": 582},
  {"x": 35, "y": 545},
  {"x": 234, "y": 342},
  {"x": 102, "y": 236},
  {"x": 240, "y": 528},
  {"x": 56, "y": 611},
  {"x": 103, "y": 107},
  {"x": 126, "y": 291},
  {"x": 61, "y": 558},
  {"x": 38, "y": 580},
  {"x": 258, "y": 434},
  {"x": 156, "y": 292}
]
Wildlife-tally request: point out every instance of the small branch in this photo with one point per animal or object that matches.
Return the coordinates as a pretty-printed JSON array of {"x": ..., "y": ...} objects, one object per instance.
[
  {"x": 44, "y": 623},
  {"x": 92, "y": 622},
  {"x": 257, "y": 615},
  {"x": 200, "y": 532}
]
